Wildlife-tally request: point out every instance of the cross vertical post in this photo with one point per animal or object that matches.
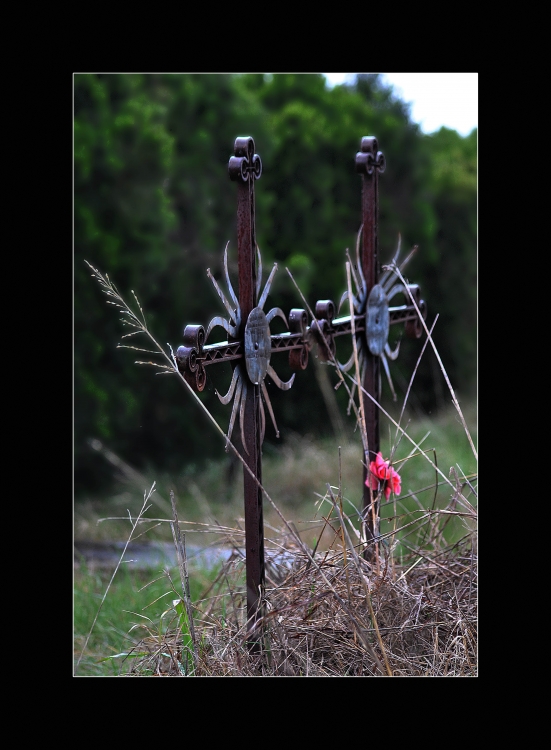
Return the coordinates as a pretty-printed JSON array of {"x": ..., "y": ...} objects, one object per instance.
[
  {"x": 369, "y": 162},
  {"x": 244, "y": 168}
]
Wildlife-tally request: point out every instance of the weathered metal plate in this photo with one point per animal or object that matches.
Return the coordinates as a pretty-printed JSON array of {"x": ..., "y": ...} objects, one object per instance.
[
  {"x": 378, "y": 320},
  {"x": 258, "y": 345}
]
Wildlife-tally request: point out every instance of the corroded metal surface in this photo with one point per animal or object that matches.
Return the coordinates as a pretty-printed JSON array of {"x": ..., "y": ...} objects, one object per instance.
[
  {"x": 257, "y": 346},
  {"x": 378, "y": 320}
]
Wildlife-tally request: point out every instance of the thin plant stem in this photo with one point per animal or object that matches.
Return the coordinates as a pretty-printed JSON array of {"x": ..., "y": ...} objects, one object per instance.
[
  {"x": 134, "y": 525},
  {"x": 363, "y": 428},
  {"x": 429, "y": 336}
]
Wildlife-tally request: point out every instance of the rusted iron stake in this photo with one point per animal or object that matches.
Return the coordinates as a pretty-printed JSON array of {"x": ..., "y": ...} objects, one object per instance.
[
  {"x": 245, "y": 167},
  {"x": 369, "y": 163}
]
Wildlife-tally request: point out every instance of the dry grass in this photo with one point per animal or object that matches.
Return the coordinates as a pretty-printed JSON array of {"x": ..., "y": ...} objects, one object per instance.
[{"x": 334, "y": 614}]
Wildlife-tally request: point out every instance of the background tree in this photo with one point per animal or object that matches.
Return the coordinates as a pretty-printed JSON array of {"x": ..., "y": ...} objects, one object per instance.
[
  {"x": 154, "y": 208},
  {"x": 453, "y": 273}
]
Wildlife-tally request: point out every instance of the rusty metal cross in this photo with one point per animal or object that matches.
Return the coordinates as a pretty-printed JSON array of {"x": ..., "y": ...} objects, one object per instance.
[
  {"x": 372, "y": 317},
  {"x": 248, "y": 347}
]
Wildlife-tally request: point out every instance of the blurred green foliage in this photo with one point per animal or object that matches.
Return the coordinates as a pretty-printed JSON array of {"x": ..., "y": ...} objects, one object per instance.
[{"x": 154, "y": 208}]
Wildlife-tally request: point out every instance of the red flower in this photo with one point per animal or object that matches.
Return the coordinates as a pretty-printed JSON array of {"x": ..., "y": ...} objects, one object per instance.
[{"x": 380, "y": 471}]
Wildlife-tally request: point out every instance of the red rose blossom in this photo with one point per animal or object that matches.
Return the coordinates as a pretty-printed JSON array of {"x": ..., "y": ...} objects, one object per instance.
[{"x": 381, "y": 471}]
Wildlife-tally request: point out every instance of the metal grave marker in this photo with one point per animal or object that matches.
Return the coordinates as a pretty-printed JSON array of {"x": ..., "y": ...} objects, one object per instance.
[
  {"x": 372, "y": 317},
  {"x": 249, "y": 347}
]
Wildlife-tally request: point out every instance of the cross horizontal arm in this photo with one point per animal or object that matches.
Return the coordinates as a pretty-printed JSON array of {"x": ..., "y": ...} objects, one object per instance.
[
  {"x": 193, "y": 359},
  {"x": 224, "y": 351},
  {"x": 324, "y": 330},
  {"x": 405, "y": 313}
]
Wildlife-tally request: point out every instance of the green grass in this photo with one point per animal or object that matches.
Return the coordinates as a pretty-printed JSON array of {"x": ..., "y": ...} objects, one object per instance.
[
  {"x": 131, "y": 611},
  {"x": 294, "y": 473},
  {"x": 443, "y": 440}
]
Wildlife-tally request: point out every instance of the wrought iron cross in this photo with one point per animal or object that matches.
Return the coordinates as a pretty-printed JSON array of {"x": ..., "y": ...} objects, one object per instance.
[
  {"x": 248, "y": 347},
  {"x": 372, "y": 315}
]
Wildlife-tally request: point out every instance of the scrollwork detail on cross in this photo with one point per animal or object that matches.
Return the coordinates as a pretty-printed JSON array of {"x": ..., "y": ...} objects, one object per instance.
[
  {"x": 245, "y": 164},
  {"x": 369, "y": 158}
]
